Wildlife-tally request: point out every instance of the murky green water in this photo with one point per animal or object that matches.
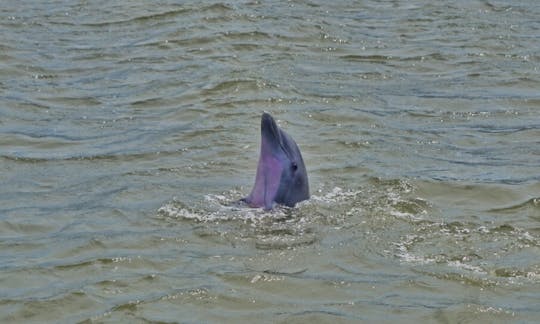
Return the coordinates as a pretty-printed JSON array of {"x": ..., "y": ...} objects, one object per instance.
[{"x": 128, "y": 128}]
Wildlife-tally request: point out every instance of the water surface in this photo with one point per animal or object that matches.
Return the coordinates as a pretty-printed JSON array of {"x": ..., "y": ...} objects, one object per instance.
[{"x": 129, "y": 128}]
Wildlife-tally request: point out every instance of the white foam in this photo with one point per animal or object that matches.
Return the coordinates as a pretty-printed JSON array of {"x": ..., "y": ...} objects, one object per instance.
[
  {"x": 337, "y": 194},
  {"x": 219, "y": 208},
  {"x": 411, "y": 258},
  {"x": 402, "y": 215},
  {"x": 464, "y": 266}
]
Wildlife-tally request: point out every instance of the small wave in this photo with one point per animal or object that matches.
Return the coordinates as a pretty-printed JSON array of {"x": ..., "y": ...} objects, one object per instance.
[
  {"x": 462, "y": 265},
  {"x": 517, "y": 273},
  {"x": 234, "y": 86},
  {"x": 215, "y": 208},
  {"x": 533, "y": 203},
  {"x": 337, "y": 194},
  {"x": 163, "y": 16}
]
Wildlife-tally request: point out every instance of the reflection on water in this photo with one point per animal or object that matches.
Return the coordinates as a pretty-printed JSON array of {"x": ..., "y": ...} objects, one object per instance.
[{"x": 130, "y": 131}]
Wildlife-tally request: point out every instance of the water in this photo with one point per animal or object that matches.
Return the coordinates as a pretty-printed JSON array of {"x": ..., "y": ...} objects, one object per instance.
[{"x": 128, "y": 129}]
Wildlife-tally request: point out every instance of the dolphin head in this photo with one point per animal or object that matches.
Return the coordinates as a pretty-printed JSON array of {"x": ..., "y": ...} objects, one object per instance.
[{"x": 281, "y": 174}]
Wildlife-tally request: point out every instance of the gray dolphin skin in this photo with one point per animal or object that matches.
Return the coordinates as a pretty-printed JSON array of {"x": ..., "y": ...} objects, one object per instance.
[{"x": 281, "y": 173}]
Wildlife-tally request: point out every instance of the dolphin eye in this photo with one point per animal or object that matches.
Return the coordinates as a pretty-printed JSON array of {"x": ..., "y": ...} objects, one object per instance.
[{"x": 294, "y": 166}]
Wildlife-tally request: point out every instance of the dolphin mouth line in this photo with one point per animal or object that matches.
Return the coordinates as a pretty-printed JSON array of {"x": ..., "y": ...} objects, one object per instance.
[{"x": 266, "y": 193}]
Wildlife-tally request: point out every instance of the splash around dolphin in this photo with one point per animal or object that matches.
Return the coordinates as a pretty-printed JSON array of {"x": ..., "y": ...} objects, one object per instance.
[{"x": 281, "y": 174}]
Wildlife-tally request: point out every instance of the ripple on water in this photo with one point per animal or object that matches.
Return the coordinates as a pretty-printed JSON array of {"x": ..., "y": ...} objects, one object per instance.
[
  {"x": 387, "y": 210},
  {"x": 482, "y": 251}
]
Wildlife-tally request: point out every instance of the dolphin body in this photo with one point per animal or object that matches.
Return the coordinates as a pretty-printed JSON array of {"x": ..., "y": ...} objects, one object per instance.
[{"x": 281, "y": 173}]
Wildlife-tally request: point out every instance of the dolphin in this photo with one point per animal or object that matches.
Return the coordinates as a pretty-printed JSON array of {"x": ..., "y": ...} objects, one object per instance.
[{"x": 281, "y": 174}]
